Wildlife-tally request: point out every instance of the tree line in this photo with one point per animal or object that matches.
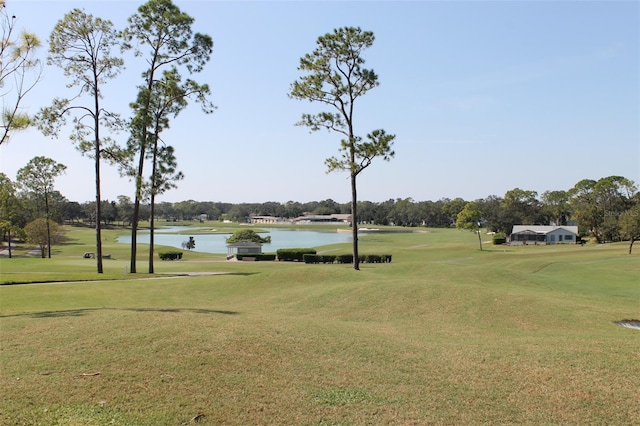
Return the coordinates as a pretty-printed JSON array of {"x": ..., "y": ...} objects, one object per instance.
[{"x": 607, "y": 209}]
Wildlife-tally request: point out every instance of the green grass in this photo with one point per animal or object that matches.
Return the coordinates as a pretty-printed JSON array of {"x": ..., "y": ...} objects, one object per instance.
[{"x": 445, "y": 334}]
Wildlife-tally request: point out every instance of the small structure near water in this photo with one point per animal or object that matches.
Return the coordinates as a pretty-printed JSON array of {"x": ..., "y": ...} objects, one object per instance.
[{"x": 243, "y": 247}]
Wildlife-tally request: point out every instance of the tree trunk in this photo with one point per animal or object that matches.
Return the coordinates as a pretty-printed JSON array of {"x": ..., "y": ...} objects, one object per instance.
[
  {"x": 9, "y": 234},
  {"x": 98, "y": 196},
  {"x": 134, "y": 235},
  {"x": 151, "y": 233},
  {"x": 46, "y": 209},
  {"x": 136, "y": 212},
  {"x": 631, "y": 244},
  {"x": 354, "y": 222},
  {"x": 98, "y": 221},
  {"x": 479, "y": 239},
  {"x": 140, "y": 176}
]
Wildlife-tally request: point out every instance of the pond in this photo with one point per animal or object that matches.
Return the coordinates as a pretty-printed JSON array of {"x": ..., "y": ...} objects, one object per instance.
[{"x": 216, "y": 243}]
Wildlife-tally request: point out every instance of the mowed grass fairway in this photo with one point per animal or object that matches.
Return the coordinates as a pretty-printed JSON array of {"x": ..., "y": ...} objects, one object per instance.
[{"x": 445, "y": 334}]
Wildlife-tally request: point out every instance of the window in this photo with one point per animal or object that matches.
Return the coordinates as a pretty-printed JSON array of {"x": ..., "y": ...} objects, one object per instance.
[{"x": 568, "y": 237}]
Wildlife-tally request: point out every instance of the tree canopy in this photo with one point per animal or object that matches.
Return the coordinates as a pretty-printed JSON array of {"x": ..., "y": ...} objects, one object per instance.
[
  {"x": 20, "y": 71},
  {"x": 248, "y": 235},
  {"x": 469, "y": 219},
  {"x": 38, "y": 177}
]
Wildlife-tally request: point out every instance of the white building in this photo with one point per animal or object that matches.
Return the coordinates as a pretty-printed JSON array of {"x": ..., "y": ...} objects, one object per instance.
[{"x": 543, "y": 234}]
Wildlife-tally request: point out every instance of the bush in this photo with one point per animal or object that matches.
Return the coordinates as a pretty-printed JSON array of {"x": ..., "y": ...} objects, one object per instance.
[
  {"x": 294, "y": 254},
  {"x": 373, "y": 258},
  {"x": 311, "y": 258},
  {"x": 499, "y": 238},
  {"x": 314, "y": 258},
  {"x": 170, "y": 255},
  {"x": 345, "y": 258},
  {"x": 329, "y": 258},
  {"x": 257, "y": 256}
]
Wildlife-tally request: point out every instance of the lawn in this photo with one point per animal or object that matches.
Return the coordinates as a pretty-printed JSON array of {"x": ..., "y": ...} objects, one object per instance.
[{"x": 445, "y": 334}]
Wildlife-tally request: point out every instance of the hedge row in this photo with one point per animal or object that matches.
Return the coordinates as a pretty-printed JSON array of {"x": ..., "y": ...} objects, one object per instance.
[
  {"x": 256, "y": 256},
  {"x": 170, "y": 255},
  {"x": 346, "y": 258},
  {"x": 293, "y": 254}
]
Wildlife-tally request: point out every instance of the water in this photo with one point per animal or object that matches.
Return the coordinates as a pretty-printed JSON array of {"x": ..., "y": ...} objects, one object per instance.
[{"x": 216, "y": 243}]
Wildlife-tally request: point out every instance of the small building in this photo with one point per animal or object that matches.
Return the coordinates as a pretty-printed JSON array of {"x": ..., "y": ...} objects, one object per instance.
[
  {"x": 323, "y": 219},
  {"x": 243, "y": 247},
  {"x": 543, "y": 234},
  {"x": 265, "y": 219}
]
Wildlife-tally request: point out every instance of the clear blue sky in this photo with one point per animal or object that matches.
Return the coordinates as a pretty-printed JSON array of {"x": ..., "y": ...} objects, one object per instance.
[{"x": 483, "y": 96}]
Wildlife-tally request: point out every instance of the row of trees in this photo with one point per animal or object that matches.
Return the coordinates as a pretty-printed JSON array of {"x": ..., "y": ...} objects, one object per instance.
[
  {"x": 27, "y": 206},
  {"x": 607, "y": 209}
]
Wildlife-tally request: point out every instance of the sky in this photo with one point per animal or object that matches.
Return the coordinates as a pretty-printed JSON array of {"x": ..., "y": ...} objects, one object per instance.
[{"x": 483, "y": 97}]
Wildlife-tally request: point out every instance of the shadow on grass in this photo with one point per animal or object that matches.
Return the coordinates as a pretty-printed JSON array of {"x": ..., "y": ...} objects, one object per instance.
[
  {"x": 82, "y": 312},
  {"x": 494, "y": 249},
  {"x": 64, "y": 240},
  {"x": 199, "y": 274},
  {"x": 164, "y": 275}
]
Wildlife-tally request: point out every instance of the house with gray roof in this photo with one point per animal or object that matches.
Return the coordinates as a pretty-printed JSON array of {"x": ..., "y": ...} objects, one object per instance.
[{"x": 543, "y": 234}]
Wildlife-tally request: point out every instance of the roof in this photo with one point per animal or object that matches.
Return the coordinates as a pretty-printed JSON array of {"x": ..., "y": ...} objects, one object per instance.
[
  {"x": 244, "y": 244},
  {"x": 542, "y": 229},
  {"x": 324, "y": 218}
]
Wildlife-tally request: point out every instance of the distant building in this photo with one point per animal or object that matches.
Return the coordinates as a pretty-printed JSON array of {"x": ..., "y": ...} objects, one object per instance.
[
  {"x": 324, "y": 218},
  {"x": 543, "y": 234},
  {"x": 266, "y": 219}
]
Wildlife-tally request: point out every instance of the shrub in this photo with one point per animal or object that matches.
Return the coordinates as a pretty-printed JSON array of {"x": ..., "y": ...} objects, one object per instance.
[
  {"x": 294, "y": 254},
  {"x": 310, "y": 258},
  {"x": 499, "y": 238},
  {"x": 373, "y": 258},
  {"x": 170, "y": 255},
  {"x": 347, "y": 258},
  {"x": 257, "y": 256},
  {"x": 315, "y": 258},
  {"x": 329, "y": 258}
]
